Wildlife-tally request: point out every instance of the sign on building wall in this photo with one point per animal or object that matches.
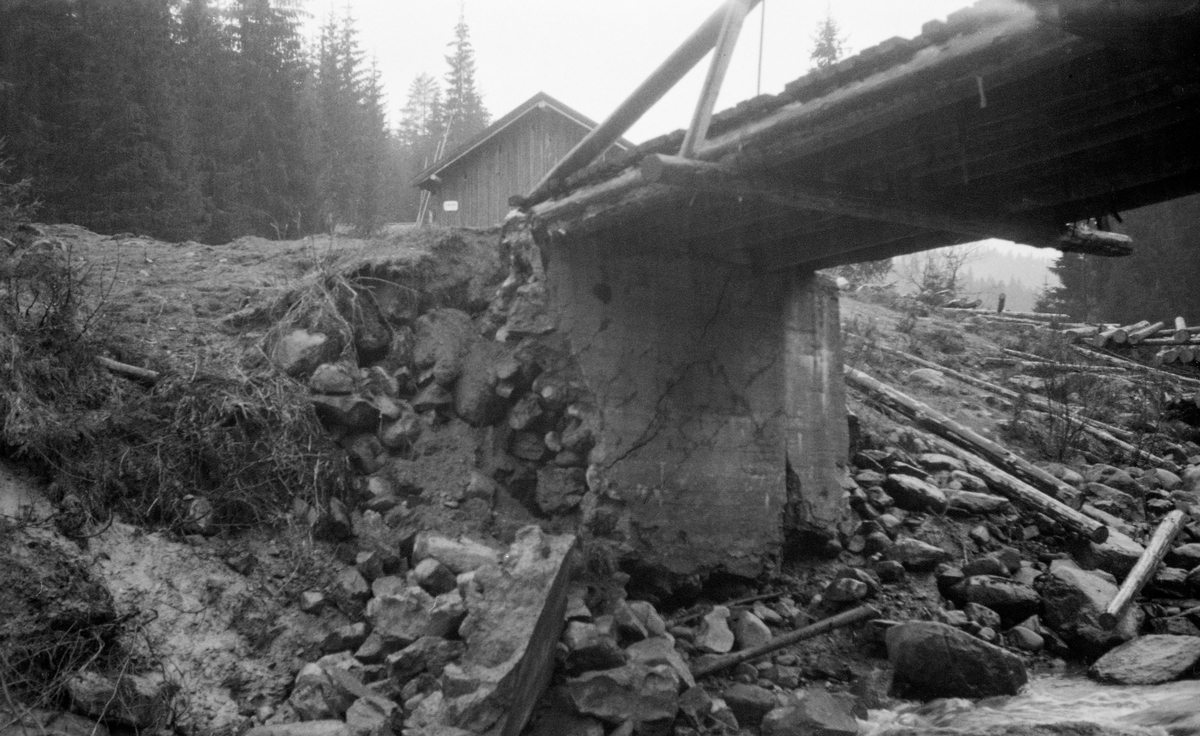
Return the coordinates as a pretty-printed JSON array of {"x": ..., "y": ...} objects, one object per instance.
[{"x": 450, "y": 205}]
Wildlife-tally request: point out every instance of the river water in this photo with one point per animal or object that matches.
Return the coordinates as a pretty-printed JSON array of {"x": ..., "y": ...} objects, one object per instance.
[{"x": 1171, "y": 709}]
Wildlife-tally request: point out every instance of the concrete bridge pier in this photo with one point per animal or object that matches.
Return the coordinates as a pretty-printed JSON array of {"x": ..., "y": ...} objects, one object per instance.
[{"x": 711, "y": 381}]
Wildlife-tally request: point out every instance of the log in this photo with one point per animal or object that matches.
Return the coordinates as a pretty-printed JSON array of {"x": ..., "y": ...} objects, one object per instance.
[
  {"x": 731, "y": 27},
  {"x": 1145, "y": 568},
  {"x": 845, "y": 618},
  {"x": 1022, "y": 494},
  {"x": 1181, "y": 333},
  {"x": 1187, "y": 354},
  {"x": 1135, "y": 366},
  {"x": 1142, "y": 333},
  {"x": 1042, "y": 486},
  {"x": 1170, "y": 340},
  {"x": 1037, "y": 316},
  {"x": 129, "y": 371},
  {"x": 1114, "y": 436},
  {"x": 1118, "y": 335}
]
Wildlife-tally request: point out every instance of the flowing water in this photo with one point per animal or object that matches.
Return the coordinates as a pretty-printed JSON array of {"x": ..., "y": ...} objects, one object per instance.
[{"x": 1172, "y": 709}]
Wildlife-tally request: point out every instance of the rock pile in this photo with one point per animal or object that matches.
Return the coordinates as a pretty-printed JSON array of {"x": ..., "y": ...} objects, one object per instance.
[{"x": 464, "y": 640}]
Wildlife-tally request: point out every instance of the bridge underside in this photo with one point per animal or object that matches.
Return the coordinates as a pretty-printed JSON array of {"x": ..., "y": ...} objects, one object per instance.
[{"x": 687, "y": 287}]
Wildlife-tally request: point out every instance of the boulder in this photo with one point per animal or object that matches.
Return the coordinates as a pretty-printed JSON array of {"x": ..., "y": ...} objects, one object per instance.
[
  {"x": 749, "y": 631},
  {"x": 516, "y": 607},
  {"x": 749, "y": 703},
  {"x": 927, "y": 377},
  {"x": 346, "y": 414},
  {"x": 428, "y": 654},
  {"x": 560, "y": 489},
  {"x": 460, "y": 555},
  {"x": 315, "y": 696},
  {"x": 140, "y": 701},
  {"x": 814, "y": 712},
  {"x": 1149, "y": 660},
  {"x": 917, "y": 555},
  {"x": 442, "y": 340},
  {"x": 1114, "y": 478},
  {"x": 373, "y": 716},
  {"x": 974, "y": 503},
  {"x": 1186, "y": 556},
  {"x": 714, "y": 635},
  {"x": 1012, "y": 600},
  {"x": 660, "y": 650},
  {"x": 434, "y": 577},
  {"x": 332, "y": 378},
  {"x": 933, "y": 660},
  {"x": 298, "y": 352},
  {"x": 350, "y": 636},
  {"x": 914, "y": 494},
  {"x": 934, "y": 463},
  {"x": 475, "y": 399},
  {"x": 1063, "y": 473},
  {"x": 1114, "y": 501},
  {"x": 403, "y": 617},
  {"x": 1072, "y": 601},
  {"x": 633, "y": 692},
  {"x": 1117, "y": 555},
  {"x": 969, "y": 481},
  {"x": 590, "y": 647}
]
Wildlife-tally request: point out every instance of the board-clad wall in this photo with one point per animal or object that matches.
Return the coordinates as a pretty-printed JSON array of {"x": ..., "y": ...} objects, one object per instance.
[{"x": 509, "y": 163}]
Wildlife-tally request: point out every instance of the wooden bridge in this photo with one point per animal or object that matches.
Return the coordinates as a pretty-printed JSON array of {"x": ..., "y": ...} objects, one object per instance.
[{"x": 684, "y": 271}]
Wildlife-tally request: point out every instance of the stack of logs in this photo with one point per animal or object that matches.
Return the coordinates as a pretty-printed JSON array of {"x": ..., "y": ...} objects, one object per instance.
[{"x": 1176, "y": 344}]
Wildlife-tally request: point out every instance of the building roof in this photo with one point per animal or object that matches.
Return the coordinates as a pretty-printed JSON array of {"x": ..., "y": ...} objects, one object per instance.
[{"x": 538, "y": 101}]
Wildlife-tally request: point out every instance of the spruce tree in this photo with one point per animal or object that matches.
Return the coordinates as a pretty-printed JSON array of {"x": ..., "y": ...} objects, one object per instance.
[{"x": 464, "y": 110}]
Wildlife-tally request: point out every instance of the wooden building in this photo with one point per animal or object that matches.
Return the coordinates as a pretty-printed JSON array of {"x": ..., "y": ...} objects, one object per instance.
[{"x": 471, "y": 185}]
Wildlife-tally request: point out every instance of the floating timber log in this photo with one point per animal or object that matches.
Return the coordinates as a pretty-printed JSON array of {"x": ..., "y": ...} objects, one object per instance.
[
  {"x": 1136, "y": 336},
  {"x": 845, "y": 618},
  {"x": 936, "y": 423},
  {"x": 1145, "y": 568}
]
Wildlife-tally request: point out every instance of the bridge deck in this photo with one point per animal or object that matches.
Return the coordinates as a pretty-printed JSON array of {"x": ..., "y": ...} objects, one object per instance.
[{"x": 1002, "y": 122}]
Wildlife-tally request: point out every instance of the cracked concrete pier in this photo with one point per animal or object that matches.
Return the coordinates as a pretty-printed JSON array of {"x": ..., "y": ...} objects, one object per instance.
[{"x": 711, "y": 380}]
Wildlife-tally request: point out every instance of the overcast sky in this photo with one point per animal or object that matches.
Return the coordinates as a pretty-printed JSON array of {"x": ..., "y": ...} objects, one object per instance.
[{"x": 592, "y": 54}]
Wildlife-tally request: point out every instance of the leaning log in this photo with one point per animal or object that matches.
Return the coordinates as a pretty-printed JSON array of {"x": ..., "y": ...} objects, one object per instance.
[
  {"x": 1135, "y": 366},
  {"x": 1136, "y": 336},
  {"x": 1036, "y": 316},
  {"x": 1145, "y": 568},
  {"x": 1113, "y": 436},
  {"x": 1040, "y": 489},
  {"x": 845, "y": 618}
]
